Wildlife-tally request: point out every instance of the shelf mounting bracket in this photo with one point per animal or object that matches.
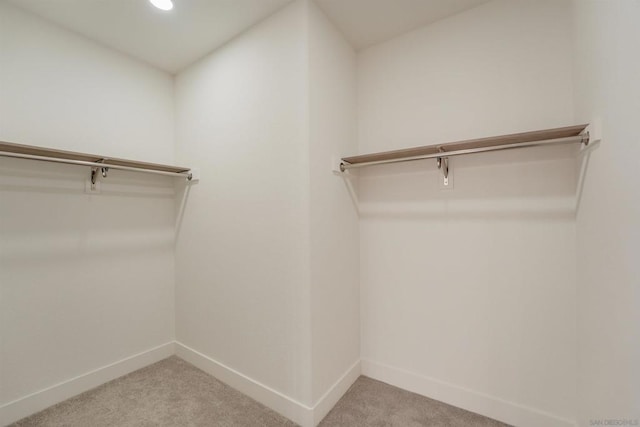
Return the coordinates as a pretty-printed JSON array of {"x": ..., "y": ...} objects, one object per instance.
[
  {"x": 104, "y": 171},
  {"x": 443, "y": 165},
  {"x": 94, "y": 175}
]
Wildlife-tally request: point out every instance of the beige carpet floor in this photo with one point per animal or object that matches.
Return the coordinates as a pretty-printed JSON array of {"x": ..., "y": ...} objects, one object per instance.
[
  {"x": 174, "y": 393},
  {"x": 373, "y": 403}
]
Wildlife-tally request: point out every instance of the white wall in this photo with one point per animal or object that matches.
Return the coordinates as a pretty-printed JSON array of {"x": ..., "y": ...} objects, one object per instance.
[
  {"x": 468, "y": 295},
  {"x": 86, "y": 280},
  {"x": 607, "y": 38},
  {"x": 64, "y": 91},
  {"x": 335, "y": 289},
  {"x": 242, "y": 295},
  {"x": 267, "y": 254}
]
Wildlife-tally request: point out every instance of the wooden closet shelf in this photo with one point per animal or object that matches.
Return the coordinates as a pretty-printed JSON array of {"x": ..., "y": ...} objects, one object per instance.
[
  {"x": 42, "y": 153},
  {"x": 561, "y": 135}
]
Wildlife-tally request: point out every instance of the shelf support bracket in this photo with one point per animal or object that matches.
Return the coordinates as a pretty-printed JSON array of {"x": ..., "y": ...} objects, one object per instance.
[
  {"x": 94, "y": 175},
  {"x": 104, "y": 170},
  {"x": 443, "y": 164}
]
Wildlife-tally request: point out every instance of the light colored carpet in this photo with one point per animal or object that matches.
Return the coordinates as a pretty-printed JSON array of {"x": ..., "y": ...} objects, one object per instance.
[
  {"x": 174, "y": 393},
  {"x": 171, "y": 392},
  {"x": 373, "y": 403}
]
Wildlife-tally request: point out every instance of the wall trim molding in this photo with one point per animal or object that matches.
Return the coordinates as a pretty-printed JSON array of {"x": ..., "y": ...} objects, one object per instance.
[
  {"x": 328, "y": 400},
  {"x": 286, "y": 406},
  {"x": 307, "y": 416},
  {"x": 490, "y": 406},
  {"x": 35, "y": 402},
  {"x": 298, "y": 412},
  {"x": 279, "y": 402}
]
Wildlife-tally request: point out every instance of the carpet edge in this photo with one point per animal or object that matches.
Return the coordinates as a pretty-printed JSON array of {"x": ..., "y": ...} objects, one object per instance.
[
  {"x": 273, "y": 399},
  {"x": 35, "y": 402},
  {"x": 470, "y": 400}
]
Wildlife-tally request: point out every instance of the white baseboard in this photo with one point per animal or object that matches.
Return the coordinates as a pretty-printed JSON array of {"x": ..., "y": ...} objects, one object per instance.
[
  {"x": 490, "y": 406},
  {"x": 480, "y": 403},
  {"x": 284, "y": 405},
  {"x": 32, "y": 403},
  {"x": 335, "y": 393},
  {"x": 296, "y": 411}
]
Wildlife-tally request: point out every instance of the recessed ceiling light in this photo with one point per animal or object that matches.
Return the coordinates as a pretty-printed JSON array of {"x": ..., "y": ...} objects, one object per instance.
[{"x": 162, "y": 4}]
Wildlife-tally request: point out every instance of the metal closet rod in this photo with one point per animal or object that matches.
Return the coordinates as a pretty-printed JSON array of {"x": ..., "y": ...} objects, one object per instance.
[
  {"x": 185, "y": 174},
  {"x": 583, "y": 138}
]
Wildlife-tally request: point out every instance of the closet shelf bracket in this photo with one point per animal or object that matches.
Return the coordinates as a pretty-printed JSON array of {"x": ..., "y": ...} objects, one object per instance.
[
  {"x": 443, "y": 165},
  {"x": 93, "y": 176}
]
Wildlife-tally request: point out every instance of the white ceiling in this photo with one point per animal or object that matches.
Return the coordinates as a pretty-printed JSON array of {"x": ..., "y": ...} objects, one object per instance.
[
  {"x": 169, "y": 40},
  {"x": 173, "y": 40},
  {"x": 368, "y": 22}
]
